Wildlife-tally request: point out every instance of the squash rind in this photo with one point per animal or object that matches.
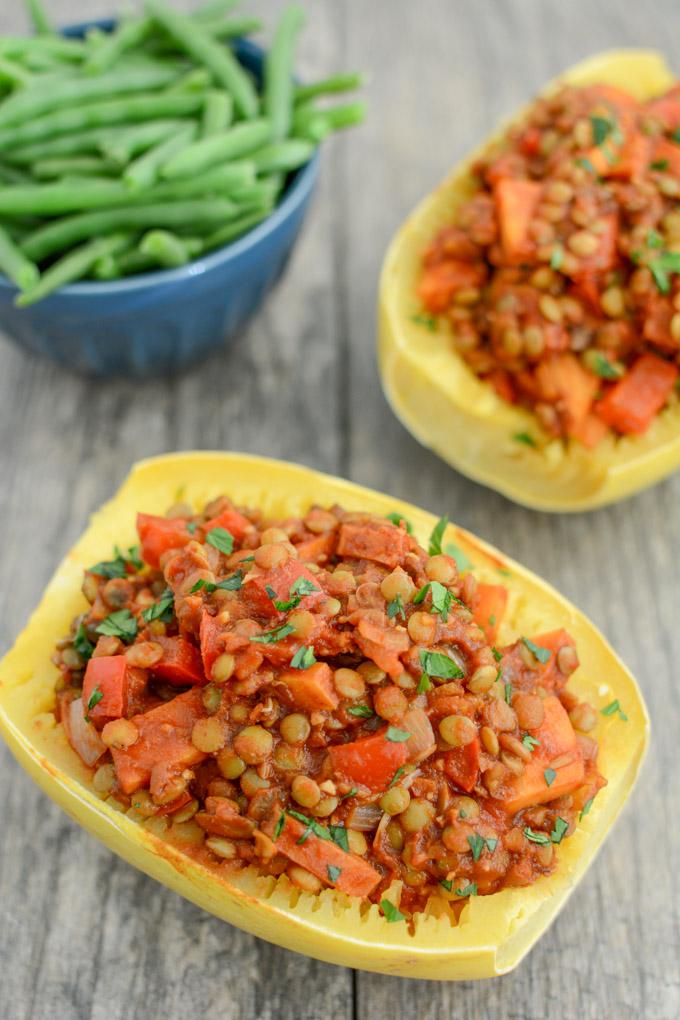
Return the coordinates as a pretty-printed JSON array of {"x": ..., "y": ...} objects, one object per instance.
[
  {"x": 447, "y": 408},
  {"x": 495, "y": 932}
]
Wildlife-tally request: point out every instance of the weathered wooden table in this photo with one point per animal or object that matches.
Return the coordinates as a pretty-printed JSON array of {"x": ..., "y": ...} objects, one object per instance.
[{"x": 81, "y": 933}]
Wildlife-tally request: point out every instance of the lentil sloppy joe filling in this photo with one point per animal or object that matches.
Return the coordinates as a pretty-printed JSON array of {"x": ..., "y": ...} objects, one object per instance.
[
  {"x": 560, "y": 275},
  {"x": 320, "y": 696}
]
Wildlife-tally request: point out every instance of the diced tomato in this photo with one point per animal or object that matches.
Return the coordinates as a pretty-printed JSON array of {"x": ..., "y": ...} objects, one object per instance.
[
  {"x": 439, "y": 283},
  {"x": 371, "y": 761},
  {"x": 491, "y": 602},
  {"x": 158, "y": 534},
  {"x": 318, "y": 549},
  {"x": 164, "y": 741},
  {"x": 213, "y": 639},
  {"x": 232, "y": 521},
  {"x": 632, "y": 403},
  {"x": 381, "y": 543},
  {"x": 502, "y": 383},
  {"x": 310, "y": 689},
  {"x": 181, "y": 663},
  {"x": 666, "y": 109},
  {"x": 280, "y": 580},
  {"x": 657, "y": 325},
  {"x": 516, "y": 201},
  {"x": 106, "y": 675},
  {"x": 462, "y": 765},
  {"x": 323, "y": 857},
  {"x": 628, "y": 160}
]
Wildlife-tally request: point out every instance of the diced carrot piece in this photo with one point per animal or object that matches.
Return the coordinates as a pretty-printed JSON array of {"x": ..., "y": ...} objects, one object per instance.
[
  {"x": 585, "y": 287},
  {"x": 221, "y": 817},
  {"x": 213, "y": 636},
  {"x": 657, "y": 325},
  {"x": 668, "y": 153},
  {"x": 280, "y": 580},
  {"x": 491, "y": 602},
  {"x": 318, "y": 549},
  {"x": 382, "y": 644},
  {"x": 106, "y": 675},
  {"x": 164, "y": 740},
  {"x": 440, "y": 282},
  {"x": 462, "y": 765},
  {"x": 371, "y": 761},
  {"x": 590, "y": 431},
  {"x": 232, "y": 521},
  {"x": 633, "y": 402},
  {"x": 626, "y": 161},
  {"x": 557, "y": 752},
  {"x": 516, "y": 202},
  {"x": 322, "y": 856},
  {"x": 381, "y": 543},
  {"x": 158, "y": 534},
  {"x": 310, "y": 689},
  {"x": 181, "y": 663},
  {"x": 564, "y": 381}
]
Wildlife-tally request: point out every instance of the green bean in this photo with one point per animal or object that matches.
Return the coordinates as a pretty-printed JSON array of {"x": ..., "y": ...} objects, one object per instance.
[
  {"x": 169, "y": 250},
  {"x": 123, "y": 144},
  {"x": 134, "y": 261},
  {"x": 288, "y": 155},
  {"x": 195, "y": 41},
  {"x": 233, "y": 28},
  {"x": 196, "y": 80},
  {"x": 220, "y": 180},
  {"x": 106, "y": 268},
  {"x": 71, "y": 230},
  {"x": 55, "y": 46},
  {"x": 129, "y": 34},
  {"x": 71, "y": 267},
  {"x": 314, "y": 123},
  {"x": 39, "y": 19},
  {"x": 128, "y": 110},
  {"x": 328, "y": 86},
  {"x": 278, "y": 72},
  {"x": 83, "y": 166},
  {"x": 217, "y": 113},
  {"x": 33, "y": 102},
  {"x": 14, "y": 73},
  {"x": 12, "y": 175},
  {"x": 206, "y": 152},
  {"x": 235, "y": 228},
  {"x": 215, "y": 9},
  {"x": 14, "y": 263},
  {"x": 261, "y": 192},
  {"x": 62, "y": 196},
  {"x": 143, "y": 171}
]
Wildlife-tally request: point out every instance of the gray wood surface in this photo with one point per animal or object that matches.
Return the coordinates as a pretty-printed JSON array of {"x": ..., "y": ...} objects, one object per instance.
[{"x": 82, "y": 934}]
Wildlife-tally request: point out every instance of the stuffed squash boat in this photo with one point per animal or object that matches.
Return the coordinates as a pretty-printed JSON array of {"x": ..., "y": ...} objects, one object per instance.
[
  {"x": 530, "y": 307},
  {"x": 324, "y": 716}
]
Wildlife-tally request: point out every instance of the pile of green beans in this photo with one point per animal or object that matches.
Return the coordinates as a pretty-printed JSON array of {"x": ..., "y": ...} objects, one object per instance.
[{"x": 149, "y": 146}]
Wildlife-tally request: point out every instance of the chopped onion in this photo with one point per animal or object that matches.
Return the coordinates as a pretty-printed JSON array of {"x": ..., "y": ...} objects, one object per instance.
[
  {"x": 364, "y": 817},
  {"x": 82, "y": 735},
  {"x": 421, "y": 744}
]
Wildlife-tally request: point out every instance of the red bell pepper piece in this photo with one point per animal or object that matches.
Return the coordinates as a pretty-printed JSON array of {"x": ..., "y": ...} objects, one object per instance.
[
  {"x": 181, "y": 663},
  {"x": 158, "y": 534},
  {"x": 106, "y": 675}
]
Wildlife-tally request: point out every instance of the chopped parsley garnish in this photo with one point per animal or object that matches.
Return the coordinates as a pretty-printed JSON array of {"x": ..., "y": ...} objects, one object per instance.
[
  {"x": 231, "y": 583},
  {"x": 428, "y": 321},
  {"x": 601, "y": 365},
  {"x": 614, "y": 708},
  {"x": 659, "y": 164},
  {"x": 585, "y": 809},
  {"x": 397, "y": 776},
  {"x": 391, "y": 912},
  {"x": 270, "y": 637},
  {"x": 82, "y": 643},
  {"x": 424, "y": 684},
  {"x": 363, "y": 711},
  {"x": 654, "y": 239},
  {"x": 191, "y": 527},
  {"x": 350, "y": 793},
  {"x": 507, "y": 689},
  {"x": 333, "y": 873},
  {"x": 667, "y": 262},
  {"x": 526, "y": 438},
  {"x": 440, "y": 665},
  {"x": 396, "y": 608},
  {"x": 442, "y": 598},
  {"x": 462, "y": 560},
  {"x": 312, "y": 826},
  {"x": 530, "y": 742},
  {"x": 120, "y": 624},
  {"x": 587, "y": 165},
  {"x": 396, "y": 735},
  {"x": 447, "y": 883},
  {"x": 467, "y": 890},
  {"x": 477, "y": 844},
  {"x": 496, "y": 654},
  {"x": 278, "y": 829},
  {"x": 220, "y": 538},
  {"x": 94, "y": 698},
  {"x": 542, "y": 654},
  {"x": 163, "y": 610},
  {"x": 556, "y": 257},
  {"x": 303, "y": 658},
  {"x": 398, "y": 518},
  {"x": 536, "y": 837},
  {"x": 118, "y": 567},
  {"x": 435, "y": 546},
  {"x": 338, "y": 833},
  {"x": 603, "y": 128},
  {"x": 549, "y": 775},
  {"x": 559, "y": 830},
  {"x": 298, "y": 589}
]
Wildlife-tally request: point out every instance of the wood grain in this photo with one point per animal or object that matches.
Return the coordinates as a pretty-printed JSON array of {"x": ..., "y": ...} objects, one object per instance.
[{"x": 83, "y": 935}]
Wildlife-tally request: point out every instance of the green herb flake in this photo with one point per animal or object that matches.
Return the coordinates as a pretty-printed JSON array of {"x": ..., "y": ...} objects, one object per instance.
[
  {"x": 507, "y": 691},
  {"x": 333, "y": 873},
  {"x": 396, "y": 735},
  {"x": 278, "y": 829},
  {"x": 303, "y": 658},
  {"x": 559, "y": 830},
  {"x": 585, "y": 809},
  {"x": 82, "y": 643},
  {"x": 439, "y": 665},
  {"x": 536, "y": 837},
  {"x": 491, "y": 843},
  {"x": 163, "y": 609},
  {"x": 202, "y": 585},
  {"x": 526, "y": 438},
  {"x": 220, "y": 538},
  {"x": 338, "y": 833},
  {"x": 654, "y": 239},
  {"x": 603, "y": 367},
  {"x": 435, "y": 545},
  {"x": 121, "y": 624},
  {"x": 549, "y": 775},
  {"x": 468, "y": 890},
  {"x": 602, "y": 129},
  {"x": 447, "y": 884},
  {"x": 587, "y": 165},
  {"x": 395, "y": 608},
  {"x": 350, "y": 793},
  {"x": 362, "y": 711},
  {"x": 496, "y": 654},
  {"x": 424, "y": 684},
  {"x": 391, "y": 912},
  {"x": 94, "y": 698},
  {"x": 659, "y": 164},
  {"x": 442, "y": 600},
  {"x": 191, "y": 527},
  {"x": 531, "y": 743},
  {"x": 298, "y": 589},
  {"x": 428, "y": 321},
  {"x": 614, "y": 708},
  {"x": 542, "y": 654},
  {"x": 556, "y": 257},
  {"x": 397, "y": 776},
  {"x": 312, "y": 827},
  {"x": 232, "y": 583},
  {"x": 270, "y": 637},
  {"x": 397, "y": 519},
  {"x": 463, "y": 561},
  {"x": 118, "y": 567},
  {"x": 666, "y": 263},
  {"x": 477, "y": 844}
]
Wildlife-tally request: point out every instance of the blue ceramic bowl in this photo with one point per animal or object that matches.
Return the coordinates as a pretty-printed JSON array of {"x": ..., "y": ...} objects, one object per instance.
[{"x": 157, "y": 323}]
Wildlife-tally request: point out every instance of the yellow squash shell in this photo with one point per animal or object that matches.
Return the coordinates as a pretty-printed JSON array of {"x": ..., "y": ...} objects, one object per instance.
[
  {"x": 448, "y": 408},
  {"x": 494, "y": 932}
]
